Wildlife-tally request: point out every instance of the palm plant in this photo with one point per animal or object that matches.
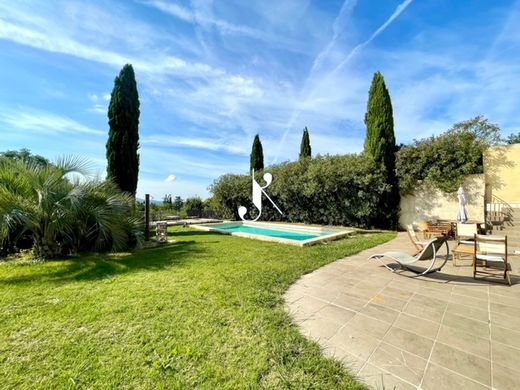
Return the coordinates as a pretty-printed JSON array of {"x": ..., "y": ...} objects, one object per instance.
[{"x": 62, "y": 209}]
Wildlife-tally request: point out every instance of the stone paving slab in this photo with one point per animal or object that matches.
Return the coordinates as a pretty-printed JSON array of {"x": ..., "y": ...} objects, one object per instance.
[{"x": 396, "y": 330}]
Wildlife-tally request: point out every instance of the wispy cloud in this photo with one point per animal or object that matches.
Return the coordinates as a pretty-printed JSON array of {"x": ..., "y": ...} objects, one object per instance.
[
  {"x": 312, "y": 93},
  {"x": 197, "y": 16},
  {"x": 50, "y": 42},
  {"x": 338, "y": 27},
  {"x": 99, "y": 103},
  {"x": 39, "y": 121},
  {"x": 95, "y": 34},
  {"x": 201, "y": 16},
  {"x": 161, "y": 161},
  {"x": 98, "y": 109},
  {"x": 197, "y": 143},
  {"x": 398, "y": 11}
]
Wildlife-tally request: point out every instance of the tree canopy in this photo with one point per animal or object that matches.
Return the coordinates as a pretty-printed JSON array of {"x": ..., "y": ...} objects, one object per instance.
[
  {"x": 380, "y": 141},
  {"x": 444, "y": 160},
  {"x": 305, "y": 146},
  {"x": 379, "y": 120},
  {"x": 25, "y": 155},
  {"x": 257, "y": 155},
  {"x": 123, "y": 136},
  {"x": 513, "y": 139}
]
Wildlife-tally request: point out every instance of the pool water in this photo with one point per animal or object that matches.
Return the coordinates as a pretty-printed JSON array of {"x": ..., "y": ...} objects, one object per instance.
[{"x": 289, "y": 235}]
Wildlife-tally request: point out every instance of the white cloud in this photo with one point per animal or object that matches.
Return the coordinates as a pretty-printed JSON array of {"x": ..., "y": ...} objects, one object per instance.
[
  {"x": 201, "y": 16},
  {"x": 56, "y": 41},
  {"x": 39, "y": 121},
  {"x": 338, "y": 27},
  {"x": 98, "y": 109},
  {"x": 58, "y": 44},
  {"x": 170, "y": 179},
  {"x": 99, "y": 101},
  {"x": 198, "y": 143}
]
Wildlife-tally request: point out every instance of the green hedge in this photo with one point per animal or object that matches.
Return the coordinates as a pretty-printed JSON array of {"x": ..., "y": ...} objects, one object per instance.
[{"x": 331, "y": 190}]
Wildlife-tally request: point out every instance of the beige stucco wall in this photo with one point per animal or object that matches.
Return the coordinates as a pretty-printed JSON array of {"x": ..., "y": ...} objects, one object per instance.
[
  {"x": 502, "y": 169},
  {"x": 430, "y": 203}
]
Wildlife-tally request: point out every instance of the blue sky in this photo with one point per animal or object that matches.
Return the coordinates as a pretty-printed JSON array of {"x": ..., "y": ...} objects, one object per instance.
[{"x": 212, "y": 74}]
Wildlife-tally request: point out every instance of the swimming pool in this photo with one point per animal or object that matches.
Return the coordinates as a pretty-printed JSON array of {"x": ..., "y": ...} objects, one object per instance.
[{"x": 278, "y": 232}]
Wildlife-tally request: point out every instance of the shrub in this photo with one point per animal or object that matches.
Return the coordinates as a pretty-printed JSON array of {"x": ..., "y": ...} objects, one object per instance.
[
  {"x": 230, "y": 191},
  {"x": 443, "y": 161},
  {"x": 25, "y": 155},
  {"x": 335, "y": 190},
  {"x": 177, "y": 203},
  {"x": 63, "y": 214},
  {"x": 513, "y": 139},
  {"x": 194, "y": 206}
]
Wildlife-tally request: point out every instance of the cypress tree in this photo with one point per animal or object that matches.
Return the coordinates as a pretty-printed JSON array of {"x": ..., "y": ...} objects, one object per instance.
[
  {"x": 380, "y": 144},
  {"x": 123, "y": 136},
  {"x": 257, "y": 155},
  {"x": 380, "y": 138},
  {"x": 305, "y": 146}
]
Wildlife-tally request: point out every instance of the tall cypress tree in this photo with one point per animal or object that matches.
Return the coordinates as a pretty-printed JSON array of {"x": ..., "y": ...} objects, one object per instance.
[
  {"x": 305, "y": 146},
  {"x": 380, "y": 144},
  {"x": 380, "y": 138},
  {"x": 257, "y": 155},
  {"x": 123, "y": 136}
]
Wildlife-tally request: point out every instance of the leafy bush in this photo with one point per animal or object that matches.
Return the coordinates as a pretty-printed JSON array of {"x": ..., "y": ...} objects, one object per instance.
[
  {"x": 443, "y": 161},
  {"x": 335, "y": 190},
  {"x": 194, "y": 206},
  {"x": 24, "y": 155},
  {"x": 63, "y": 214},
  {"x": 513, "y": 139},
  {"x": 230, "y": 191},
  {"x": 178, "y": 203}
]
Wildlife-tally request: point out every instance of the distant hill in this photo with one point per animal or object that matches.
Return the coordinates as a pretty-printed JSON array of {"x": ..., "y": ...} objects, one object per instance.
[{"x": 158, "y": 202}]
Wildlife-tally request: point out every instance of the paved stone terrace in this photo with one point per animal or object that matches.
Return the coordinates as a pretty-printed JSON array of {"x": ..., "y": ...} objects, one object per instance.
[{"x": 393, "y": 330}]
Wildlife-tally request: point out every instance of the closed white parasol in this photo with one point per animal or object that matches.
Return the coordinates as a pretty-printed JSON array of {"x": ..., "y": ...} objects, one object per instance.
[{"x": 462, "y": 215}]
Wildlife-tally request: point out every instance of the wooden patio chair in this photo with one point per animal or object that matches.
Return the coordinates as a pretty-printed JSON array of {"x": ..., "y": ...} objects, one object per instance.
[
  {"x": 439, "y": 228},
  {"x": 422, "y": 226},
  {"x": 419, "y": 245},
  {"x": 466, "y": 232},
  {"x": 465, "y": 240},
  {"x": 490, "y": 250}
]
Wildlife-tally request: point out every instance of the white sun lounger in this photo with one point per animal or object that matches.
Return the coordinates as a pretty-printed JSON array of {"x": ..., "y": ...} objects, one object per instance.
[{"x": 409, "y": 262}]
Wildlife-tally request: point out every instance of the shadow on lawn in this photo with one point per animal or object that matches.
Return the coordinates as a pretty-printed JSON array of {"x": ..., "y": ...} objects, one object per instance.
[{"x": 101, "y": 266}]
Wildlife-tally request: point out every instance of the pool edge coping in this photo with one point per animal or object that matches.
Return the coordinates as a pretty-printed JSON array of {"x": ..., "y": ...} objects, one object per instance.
[{"x": 308, "y": 242}]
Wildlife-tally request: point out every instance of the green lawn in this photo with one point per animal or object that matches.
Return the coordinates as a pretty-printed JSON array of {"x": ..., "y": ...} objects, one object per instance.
[{"x": 206, "y": 312}]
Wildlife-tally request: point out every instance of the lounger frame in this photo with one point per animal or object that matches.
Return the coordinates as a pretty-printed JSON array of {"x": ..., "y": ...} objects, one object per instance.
[{"x": 406, "y": 261}]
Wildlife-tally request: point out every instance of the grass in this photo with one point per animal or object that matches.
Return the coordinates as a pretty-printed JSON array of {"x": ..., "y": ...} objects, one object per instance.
[{"x": 206, "y": 312}]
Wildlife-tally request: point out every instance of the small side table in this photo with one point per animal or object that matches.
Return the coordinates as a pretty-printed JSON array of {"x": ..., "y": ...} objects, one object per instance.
[{"x": 463, "y": 250}]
